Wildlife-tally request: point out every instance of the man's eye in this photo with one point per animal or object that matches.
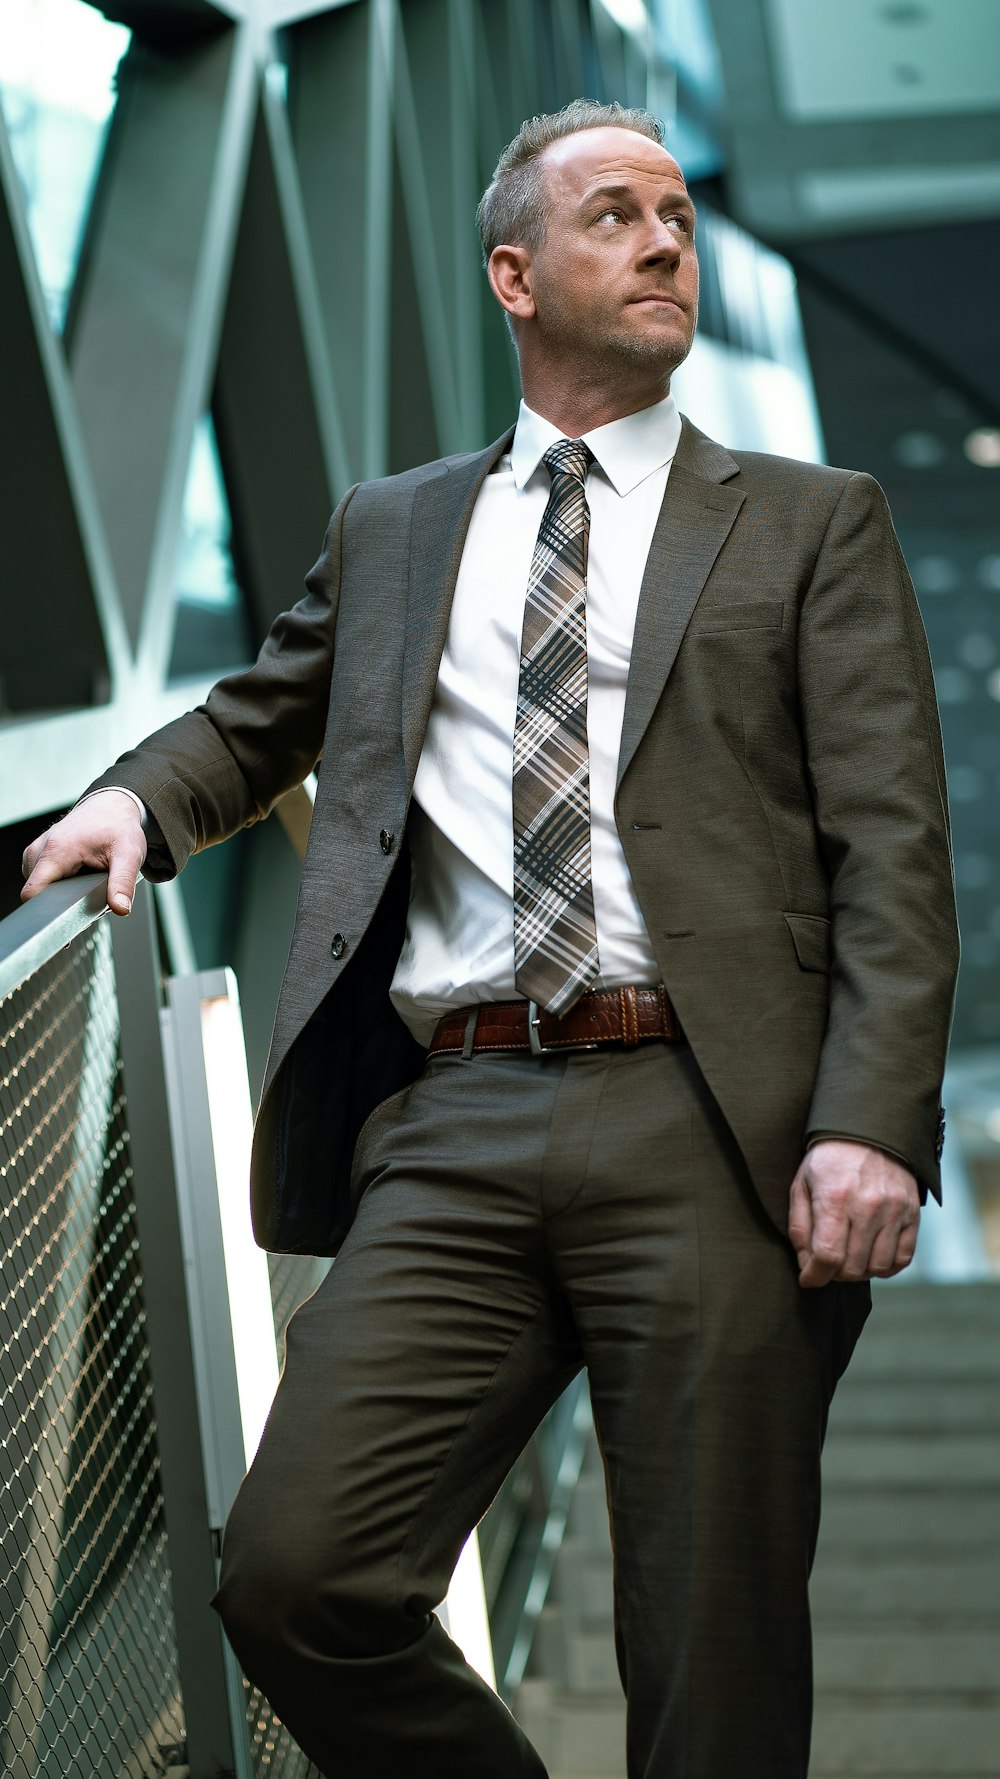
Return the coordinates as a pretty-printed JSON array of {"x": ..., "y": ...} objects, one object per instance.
[
  {"x": 615, "y": 215},
  {"x": 680, "y": 222}
]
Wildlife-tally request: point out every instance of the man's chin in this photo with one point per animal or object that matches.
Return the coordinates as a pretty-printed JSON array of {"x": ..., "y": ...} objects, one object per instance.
[{"x": 650, "y": 352}]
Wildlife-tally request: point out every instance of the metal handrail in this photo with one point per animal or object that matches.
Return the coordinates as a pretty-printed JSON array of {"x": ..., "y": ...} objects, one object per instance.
[{"x": 38, "y": 929}]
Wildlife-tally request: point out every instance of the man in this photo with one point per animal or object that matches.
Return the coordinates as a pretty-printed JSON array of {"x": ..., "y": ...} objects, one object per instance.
[{"x": 627, "y": 934}]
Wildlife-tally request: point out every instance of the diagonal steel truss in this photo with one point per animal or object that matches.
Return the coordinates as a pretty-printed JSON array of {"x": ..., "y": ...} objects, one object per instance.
[{"x": 282, "y": 235}]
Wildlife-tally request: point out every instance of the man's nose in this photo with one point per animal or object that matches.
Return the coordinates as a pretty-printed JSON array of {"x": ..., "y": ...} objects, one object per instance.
[{"x": 662, "y": 243}]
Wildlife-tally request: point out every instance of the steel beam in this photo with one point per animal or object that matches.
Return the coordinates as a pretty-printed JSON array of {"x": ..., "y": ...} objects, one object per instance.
[
  {"x": 56, "y": 571},
  {"x": 277, "y": 456},
  {"x": 340, "y": 98}
]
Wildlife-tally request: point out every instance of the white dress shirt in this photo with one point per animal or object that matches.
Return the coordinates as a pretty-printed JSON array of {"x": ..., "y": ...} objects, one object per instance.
[{"x": 459, "y": 944}]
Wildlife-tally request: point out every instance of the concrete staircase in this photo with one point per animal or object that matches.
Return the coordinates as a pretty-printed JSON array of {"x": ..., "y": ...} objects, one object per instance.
[{"x": 906, "y": 1588}]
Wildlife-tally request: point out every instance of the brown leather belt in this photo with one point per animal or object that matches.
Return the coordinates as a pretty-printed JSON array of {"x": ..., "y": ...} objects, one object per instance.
[{"x": 609, "y": 1016}]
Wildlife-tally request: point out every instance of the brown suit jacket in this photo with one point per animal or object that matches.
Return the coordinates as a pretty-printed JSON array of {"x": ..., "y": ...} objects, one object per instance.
[{"x": 781, "y": 804}]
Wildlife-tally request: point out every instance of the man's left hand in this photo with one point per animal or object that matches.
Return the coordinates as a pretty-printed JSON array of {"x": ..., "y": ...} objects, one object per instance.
[{"x": 853, "y": 1213}]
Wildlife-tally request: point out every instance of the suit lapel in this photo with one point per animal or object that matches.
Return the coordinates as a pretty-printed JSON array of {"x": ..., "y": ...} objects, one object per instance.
[
  {"x": 695, "y": 519},
  {"x": 439, "y": 524}
]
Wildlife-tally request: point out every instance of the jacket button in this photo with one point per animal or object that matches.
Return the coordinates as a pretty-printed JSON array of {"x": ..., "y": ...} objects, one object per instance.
[
  {"x": 338, "y": 945},
  {"x": 386, "y": 841}
]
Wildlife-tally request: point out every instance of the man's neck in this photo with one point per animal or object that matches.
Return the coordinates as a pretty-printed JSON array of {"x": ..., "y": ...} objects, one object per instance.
[{"x": 578, "y": 411}]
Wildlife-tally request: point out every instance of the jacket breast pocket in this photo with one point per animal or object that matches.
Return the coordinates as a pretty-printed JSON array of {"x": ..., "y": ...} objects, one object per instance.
[
  {"x": 738, "y": 614},
  {"x": 811, "y": 937}
]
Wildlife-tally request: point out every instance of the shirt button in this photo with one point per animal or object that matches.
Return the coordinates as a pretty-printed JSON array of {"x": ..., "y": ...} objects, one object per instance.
[
  {"x": 338, "y": 945},
  {"x": 386, "y": 841}
]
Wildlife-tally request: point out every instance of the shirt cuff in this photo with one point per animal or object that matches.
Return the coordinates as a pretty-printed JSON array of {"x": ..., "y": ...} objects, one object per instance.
[{"x": 140, "y": 805}]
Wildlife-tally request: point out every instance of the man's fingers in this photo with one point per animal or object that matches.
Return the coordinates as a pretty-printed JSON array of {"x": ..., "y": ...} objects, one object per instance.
[
  {"x": 33, "y": 853},
  {"x": 817, "y": 1267},
  {"x": 800, "y": 1217},
  {"x": 816, "y": 1273},
  {"x": 892, "y": 1250},
  {"x": 883, "y": 1234},
  {"x": 46, "y": 871},
  {"x": 124, "y": 868},
  {"x": 813, "y": 1234},
  {"x": 828, "y": 1247},
  {"x": 103, "y": 833},
  {"x": 865, "y": 1213}
]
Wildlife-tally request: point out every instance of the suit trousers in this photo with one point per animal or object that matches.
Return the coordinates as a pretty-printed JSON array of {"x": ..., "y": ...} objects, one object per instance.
[{"x": 519, "y": 1216}]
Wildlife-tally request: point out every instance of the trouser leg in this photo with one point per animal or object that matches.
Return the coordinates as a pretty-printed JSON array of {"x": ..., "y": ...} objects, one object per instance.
[
  {"x": 412, "y": 1378},
  {"x": 710, "y": 1373}
]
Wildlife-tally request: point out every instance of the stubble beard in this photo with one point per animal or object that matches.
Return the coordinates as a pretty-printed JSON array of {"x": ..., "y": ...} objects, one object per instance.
[{"x": 607, "y": 349}]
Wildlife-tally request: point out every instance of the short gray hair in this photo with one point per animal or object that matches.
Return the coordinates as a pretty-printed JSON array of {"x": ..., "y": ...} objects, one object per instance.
[{"x": 513, "y": 209}]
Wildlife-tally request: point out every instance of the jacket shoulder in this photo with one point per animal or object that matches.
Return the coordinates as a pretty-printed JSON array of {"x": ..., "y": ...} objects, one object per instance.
[
  {"x": 817, "y": 488},
  {"x": 403, "y": 483},
  {"x": 763, "y": 472},
  {"x": 766, "y": 467}
]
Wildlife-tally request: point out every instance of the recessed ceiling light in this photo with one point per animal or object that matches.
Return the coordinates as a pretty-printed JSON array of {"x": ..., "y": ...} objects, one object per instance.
[
  {"x": 934, "y": 574},
  {"x": 973, "y": 870},
  {"x": 966, "y": 783},
  {"x": 982, "y": 447},
  {"x": 955, "y": 687},
  {"x": 918, "y": 450},
  {"x": 977, "y": 649}
]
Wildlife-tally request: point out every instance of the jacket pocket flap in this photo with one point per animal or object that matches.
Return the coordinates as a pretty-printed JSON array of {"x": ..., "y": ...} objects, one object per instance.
[
  {"x": 811, "y": 934},
  {"x": 739, "y": 614}
]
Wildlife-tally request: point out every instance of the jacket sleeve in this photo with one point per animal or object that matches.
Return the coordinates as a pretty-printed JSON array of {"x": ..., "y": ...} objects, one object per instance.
[
  {"x": 259, "y": 732},
  {"x": 877, "y": 776}
]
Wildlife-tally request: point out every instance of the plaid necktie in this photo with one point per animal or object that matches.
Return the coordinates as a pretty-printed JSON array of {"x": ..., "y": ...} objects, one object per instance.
[{"x": 555, "y": 936}]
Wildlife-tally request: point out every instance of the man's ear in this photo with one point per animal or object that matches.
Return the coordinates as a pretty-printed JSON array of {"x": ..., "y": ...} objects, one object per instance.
[{"x": 509, "y": 273}]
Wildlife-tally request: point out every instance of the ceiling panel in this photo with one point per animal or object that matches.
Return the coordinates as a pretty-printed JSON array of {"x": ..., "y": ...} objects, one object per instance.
[
  {"x": 899, "y": 58},
  {"x": 859, "y": 114}
]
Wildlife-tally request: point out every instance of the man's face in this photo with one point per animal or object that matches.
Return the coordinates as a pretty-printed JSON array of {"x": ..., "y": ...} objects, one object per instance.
[{"x": 616, "y": 279}]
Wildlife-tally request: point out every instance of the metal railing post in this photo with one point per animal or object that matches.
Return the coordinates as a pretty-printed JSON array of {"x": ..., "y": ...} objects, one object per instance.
[{"x": 217, "y": 1742}]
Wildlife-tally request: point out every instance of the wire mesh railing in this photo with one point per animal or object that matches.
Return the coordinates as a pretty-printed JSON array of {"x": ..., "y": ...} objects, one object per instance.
[
  {"x": 111, "y": 1662},
  {"x": 88, "y": 1659}
]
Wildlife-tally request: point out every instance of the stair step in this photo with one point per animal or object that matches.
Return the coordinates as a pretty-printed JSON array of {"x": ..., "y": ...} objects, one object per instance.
[
  {"x": 582, "y": 1580},
  {"x": 966, "y": 1351},
  {"x": 869, "y": 1661},
  {"x": 907, "y": 1304},
  {"x": 572, "y": 1656},
  {"x": 915, "y": 1406},
  {"x": 583, "y": 1736},
  {"x": 906, "y": 1587},
  {"x": 860, "y": 1739},
  {"x": 903, "y": 1588},
  {"x": 588, "y": 1510},
  {"x": 955, "y": 1461},
  {"x": 866, "y": 1518}
]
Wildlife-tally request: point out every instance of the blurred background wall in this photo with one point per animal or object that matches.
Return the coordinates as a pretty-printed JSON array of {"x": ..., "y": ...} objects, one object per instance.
[{"x": 239, "y": 270}]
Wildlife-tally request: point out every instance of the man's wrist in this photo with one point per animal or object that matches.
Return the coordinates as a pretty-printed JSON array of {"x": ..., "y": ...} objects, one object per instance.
[
  {"x": 125, "y": 792},
  {"x": 843, "y": 1136}
]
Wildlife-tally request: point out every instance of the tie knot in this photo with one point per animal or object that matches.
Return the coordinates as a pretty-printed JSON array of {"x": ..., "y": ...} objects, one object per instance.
[{"x": 569, "y": 457}]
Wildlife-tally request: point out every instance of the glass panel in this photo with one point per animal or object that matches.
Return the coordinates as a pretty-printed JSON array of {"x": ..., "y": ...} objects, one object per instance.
[
  {"x": 58, "y": 60},
  {"x": 213, "y": 627}
]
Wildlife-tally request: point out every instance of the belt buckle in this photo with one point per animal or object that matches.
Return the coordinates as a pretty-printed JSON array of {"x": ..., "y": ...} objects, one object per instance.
[{"x": 535, "y": 1043}]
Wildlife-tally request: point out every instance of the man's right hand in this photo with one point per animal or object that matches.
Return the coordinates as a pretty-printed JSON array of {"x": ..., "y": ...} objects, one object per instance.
[{"x": 103, "y": 833}]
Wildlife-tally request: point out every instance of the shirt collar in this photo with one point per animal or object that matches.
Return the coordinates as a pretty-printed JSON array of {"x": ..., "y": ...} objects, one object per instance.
[{"x": 627, "y": 450}]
